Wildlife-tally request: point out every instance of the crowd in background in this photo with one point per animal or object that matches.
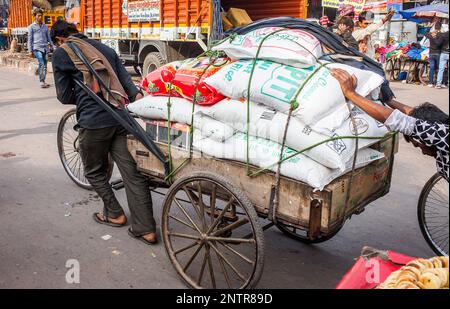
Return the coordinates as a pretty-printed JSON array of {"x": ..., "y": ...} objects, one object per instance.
[{"x": 359, "y": 36}]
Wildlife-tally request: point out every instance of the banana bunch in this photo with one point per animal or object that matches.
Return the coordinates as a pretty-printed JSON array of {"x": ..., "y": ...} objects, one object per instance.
[{"x": 420, "y": 274}]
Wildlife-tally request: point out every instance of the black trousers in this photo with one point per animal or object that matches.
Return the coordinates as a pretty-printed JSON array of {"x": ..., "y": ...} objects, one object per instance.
[{"x": 95, "y": 146}]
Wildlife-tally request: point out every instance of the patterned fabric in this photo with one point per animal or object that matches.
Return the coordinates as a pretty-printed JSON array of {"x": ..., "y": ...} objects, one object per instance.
[
  {"x": 324, "y": 21},
  {"x": 429, "y": 134}
]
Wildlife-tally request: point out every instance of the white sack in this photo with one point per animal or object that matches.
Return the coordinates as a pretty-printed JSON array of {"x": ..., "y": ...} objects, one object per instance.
[
  {"x": 264, "y": 153},
  {"x": 155, "y": 108},
  {"x": 290, "y": 46},
  {"x": 269, "y": 124},
  {"x": 276, "y": 85}
]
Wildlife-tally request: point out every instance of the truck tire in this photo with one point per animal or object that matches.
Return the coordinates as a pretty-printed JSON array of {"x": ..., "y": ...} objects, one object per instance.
[{"x": 152, "y": 62}]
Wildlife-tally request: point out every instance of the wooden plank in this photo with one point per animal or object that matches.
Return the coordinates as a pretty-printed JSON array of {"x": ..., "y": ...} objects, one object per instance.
[{"x": 371, "y": 182}]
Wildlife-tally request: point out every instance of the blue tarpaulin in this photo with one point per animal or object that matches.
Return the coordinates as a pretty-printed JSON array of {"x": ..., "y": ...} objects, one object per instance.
[{"x": 419, "y": 14}]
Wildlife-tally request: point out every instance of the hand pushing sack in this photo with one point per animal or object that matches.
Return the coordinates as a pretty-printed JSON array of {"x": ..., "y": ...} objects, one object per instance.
[
  {"x": 277, "y": 85},
  {"x": 293, "y": 47}
]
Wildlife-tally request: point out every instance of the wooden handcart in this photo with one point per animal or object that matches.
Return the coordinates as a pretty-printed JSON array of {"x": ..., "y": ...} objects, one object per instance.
[{"x": 213, "y": 213}]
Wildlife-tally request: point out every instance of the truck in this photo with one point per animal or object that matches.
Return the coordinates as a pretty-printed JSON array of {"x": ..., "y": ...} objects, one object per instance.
[
  {"x": 21, "y": 16},
  {"x": 147, "y": 34}
]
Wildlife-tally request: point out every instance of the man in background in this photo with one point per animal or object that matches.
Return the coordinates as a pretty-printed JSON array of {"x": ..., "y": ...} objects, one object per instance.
[
  {"x": 344, "y": 29},
  {"x": 443, "y": 61},
  {"x": 39, "y": 44},
  {"x": 367, "y": 27},
  {"x": 3, "y": 41}
]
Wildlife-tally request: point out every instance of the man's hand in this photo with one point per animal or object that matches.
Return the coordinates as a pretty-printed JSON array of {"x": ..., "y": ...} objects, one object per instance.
[
  {"x": 389, "y": 16},
  {"x": 138, "y": 96},
  {"x": 348, "y": 82}
]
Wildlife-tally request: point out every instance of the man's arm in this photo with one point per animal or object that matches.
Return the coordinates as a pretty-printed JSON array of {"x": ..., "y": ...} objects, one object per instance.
[
  {"x": 125, "y": 79},
  {"x": 30, "y": 38},
  {"x": 361, "y": 34},
  {"x": 405, "y": 109},
  {"x": 348, "y": 85},
  {"x": 62, "y": 72},
  {"x": 49, "y": 39}
]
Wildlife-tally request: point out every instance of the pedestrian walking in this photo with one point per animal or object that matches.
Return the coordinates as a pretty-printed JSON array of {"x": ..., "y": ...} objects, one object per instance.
[
  {"x": 436, "y": 41},
  {"x": 3, "y": 41},
  {"x": 39, "y": 44},
  {"x": 100, "y": 135},
  {"x": 443, "y": 61}
]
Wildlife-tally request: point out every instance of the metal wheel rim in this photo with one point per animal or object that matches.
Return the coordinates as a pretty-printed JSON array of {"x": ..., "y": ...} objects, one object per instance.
[
  {"x": 70, "y": 152},
  {"x": 435, "y": 215},
  {"x": 206, "y": 262}
]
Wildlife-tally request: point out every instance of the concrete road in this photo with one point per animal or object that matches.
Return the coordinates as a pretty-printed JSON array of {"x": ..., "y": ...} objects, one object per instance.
[{"x": 45, "y": 220}]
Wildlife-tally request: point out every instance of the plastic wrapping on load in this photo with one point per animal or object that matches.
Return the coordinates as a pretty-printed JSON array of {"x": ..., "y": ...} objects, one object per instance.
[
  {"x": 288, "y": 46},
  {"x": 264, "y": 153},
  {"x": 277, "y": 85},
  {"x": 195, "y": 71},
  {"x": 158, "y": 82},
  {"x": 182, "y": 78}
]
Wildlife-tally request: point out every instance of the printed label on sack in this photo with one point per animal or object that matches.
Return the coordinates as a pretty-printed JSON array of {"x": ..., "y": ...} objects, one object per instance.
[
  {"x": 284, "y": 83},
  {"x": 362, "y": 126},
  {"x": 337, "y": 145}
]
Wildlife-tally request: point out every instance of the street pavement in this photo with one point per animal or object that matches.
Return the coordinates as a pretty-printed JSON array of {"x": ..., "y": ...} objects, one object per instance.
[{"x": 45, "y": 220}]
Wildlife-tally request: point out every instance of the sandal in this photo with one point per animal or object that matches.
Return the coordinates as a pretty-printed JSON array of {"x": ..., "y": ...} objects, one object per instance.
[
  {"x": 141, "y": 238},
  {"x": 105, "y": 220}
]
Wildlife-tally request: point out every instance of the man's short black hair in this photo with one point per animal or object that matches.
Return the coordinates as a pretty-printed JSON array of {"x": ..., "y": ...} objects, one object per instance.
[
  {"x": 438, "y": 26},
  {"x": 37, "y": 11},
  {"x": 366, "y": 15},
  {"x": 347, "y": 21},
  {"x": 429, "y": 112},
  {"x": 63, "y": 29}
]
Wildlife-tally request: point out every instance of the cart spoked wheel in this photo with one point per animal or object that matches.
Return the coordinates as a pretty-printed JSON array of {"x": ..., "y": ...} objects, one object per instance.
[
  {"x": 69, "y": 151},
  {"x": 433, "y": 214},
  {"x": 302, "y": 235},
  {"x": 212, "y": 234}
]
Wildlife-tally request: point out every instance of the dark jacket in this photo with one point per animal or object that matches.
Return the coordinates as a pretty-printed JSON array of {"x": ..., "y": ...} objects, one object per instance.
[
  {"x": 435, "y": 43},
  {"x": 90, "y": 114},
  {"x": 349, "y": 39}
]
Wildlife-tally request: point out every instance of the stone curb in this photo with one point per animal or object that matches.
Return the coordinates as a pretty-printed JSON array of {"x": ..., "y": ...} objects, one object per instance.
[{"x": 27, "y": 65}]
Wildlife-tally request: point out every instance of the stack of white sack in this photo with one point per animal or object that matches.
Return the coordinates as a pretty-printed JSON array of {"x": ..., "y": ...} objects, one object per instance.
[
  {"x": 266, "y": 154},
  {"x": 293, "y": 47},
  {"x": 276, "y": 85},
  {"x": 268, "y": 124}
]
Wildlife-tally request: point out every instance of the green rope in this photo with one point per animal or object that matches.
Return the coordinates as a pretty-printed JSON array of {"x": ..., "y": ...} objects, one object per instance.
[
  {"x": 268, "y": 168},
  {"x": 249, "y": 93},
  {"x": 213, "y": 56},
  {"x": 217, "y": 54}
]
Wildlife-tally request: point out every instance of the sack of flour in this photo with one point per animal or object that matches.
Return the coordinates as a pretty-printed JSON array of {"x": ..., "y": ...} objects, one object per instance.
[
  {"x": 270, "y": 124},
  {"x": 276, "y": 86},
  {"x": 293, "y": 47},
  {"x": 362, "y": 125},
  {"x": 264, "y": 153},
  {"x": 156, "y": 108}
]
